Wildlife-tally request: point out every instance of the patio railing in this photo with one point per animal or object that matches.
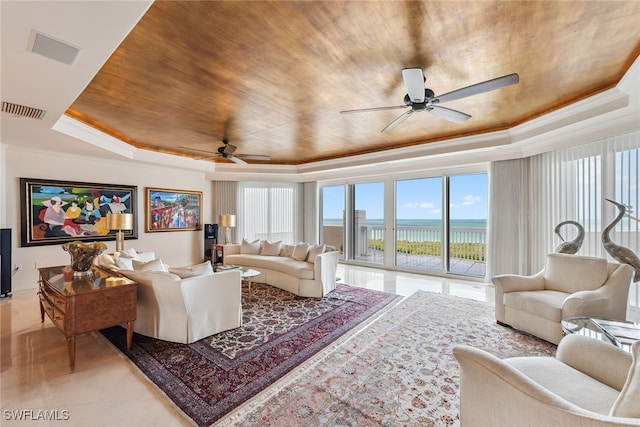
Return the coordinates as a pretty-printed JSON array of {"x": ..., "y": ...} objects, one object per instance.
[{"x": 420, "y": 247}]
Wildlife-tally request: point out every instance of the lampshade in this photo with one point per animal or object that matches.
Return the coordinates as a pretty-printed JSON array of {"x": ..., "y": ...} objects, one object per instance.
[
  {"x": 227, "y": 220},
  {"x": 120, "y": 221}
]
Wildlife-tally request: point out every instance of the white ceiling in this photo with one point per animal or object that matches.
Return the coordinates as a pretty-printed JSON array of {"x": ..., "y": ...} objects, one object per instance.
[{"x": 97, "y": 28}]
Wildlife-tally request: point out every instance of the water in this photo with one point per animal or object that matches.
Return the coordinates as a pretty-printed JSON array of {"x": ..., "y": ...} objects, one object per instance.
[
  {"x": 413, "y": 234},
  {"x": 455, "y": 223}
]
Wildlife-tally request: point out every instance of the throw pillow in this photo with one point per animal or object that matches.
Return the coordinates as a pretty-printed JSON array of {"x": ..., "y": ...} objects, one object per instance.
[
  {"x": 107, "y": 261},
  {"x": 300, "y": 251},
  {"x": 202, "y": 268},
  {"x": 626, "y": 405},
  {"x": 314, "y": 251},
  {"x": 123, "y": 262},
  {"x": 194, "y": 270},
  {"x": 145, "y": 256},
  {"x": 128, "y": 253},
  {"x": 250, "y": 248},
  {"x": 287, "y": 250},
  {"x": 182, "y": 272},
  {"x": 269, "y": 248},
  {"x": 154, "y": 265}
]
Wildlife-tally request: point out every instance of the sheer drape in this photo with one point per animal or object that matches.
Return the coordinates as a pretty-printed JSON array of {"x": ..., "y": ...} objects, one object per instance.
[
  {"x": 569, "y": 184},
  {"x": 508, "y": 242},
  {"x": 270, "y": 210},
  {"x": 225, "y": 194}
]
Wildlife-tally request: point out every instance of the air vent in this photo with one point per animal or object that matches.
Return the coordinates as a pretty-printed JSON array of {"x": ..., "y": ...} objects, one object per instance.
[
  {"x": 23, "y": 111},
  {"x": 52, "y": 48}
]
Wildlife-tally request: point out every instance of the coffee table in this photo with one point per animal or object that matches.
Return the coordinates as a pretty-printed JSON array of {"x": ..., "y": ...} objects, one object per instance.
[
  {"x": 248, "y": 274},
  {"x": 622, "y": 334}
]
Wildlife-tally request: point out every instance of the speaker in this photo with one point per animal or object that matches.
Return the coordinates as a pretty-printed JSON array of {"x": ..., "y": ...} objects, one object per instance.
[
  {"x": 211, "y": 231},
  {"x": 210, "y": 238},
  {"x": 5, "y": 262}
]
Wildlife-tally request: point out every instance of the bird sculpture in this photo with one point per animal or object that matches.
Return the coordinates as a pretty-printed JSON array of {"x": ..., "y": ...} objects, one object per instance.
[
  {"x": 617, "y": 252},
  {"x": 572, "y": 246}
]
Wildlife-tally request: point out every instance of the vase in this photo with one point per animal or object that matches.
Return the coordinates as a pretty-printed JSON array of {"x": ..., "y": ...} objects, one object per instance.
[{"x": 83, "y": 255}]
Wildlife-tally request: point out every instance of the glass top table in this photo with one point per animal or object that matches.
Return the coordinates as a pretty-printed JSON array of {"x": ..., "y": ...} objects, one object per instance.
[{"x": 622, "y": 334}]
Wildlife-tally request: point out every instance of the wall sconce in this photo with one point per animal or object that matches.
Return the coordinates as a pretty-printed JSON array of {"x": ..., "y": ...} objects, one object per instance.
[
  {"x": 227, "y": 221},
  {"x": 120, "y": 221}
]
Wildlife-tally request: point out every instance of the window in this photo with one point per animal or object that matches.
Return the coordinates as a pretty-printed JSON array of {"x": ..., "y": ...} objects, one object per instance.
[
  {"x": 406, "y": 225},
  {"x": 270, "y": 211}
]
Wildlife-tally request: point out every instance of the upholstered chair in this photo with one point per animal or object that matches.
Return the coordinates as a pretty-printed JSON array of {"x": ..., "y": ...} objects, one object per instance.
[
  {"x": 569, "y": 285},
  {"x": 589, "y": 383}
]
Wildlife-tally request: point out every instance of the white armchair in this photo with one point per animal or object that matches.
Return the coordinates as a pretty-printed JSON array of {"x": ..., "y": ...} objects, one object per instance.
[
  {"x": 569, "y": 285},
  {"x": 186, "y": 310},
  {"x": 589, "y": 383}
]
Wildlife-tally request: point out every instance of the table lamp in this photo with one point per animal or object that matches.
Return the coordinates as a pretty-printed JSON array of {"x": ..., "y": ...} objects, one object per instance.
[
  {"x": 120, "y": 221},
  {"x": 227, "y": 221}
]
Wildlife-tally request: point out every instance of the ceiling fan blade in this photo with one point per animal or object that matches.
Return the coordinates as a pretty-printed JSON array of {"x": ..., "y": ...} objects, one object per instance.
[
  {"x": 448, "y": 114},
  {"x": 396, "y": 122},
  {"x": 253, "y": 156},
  {"x": 414, "y": 81},
  {"x": 213, "y": 153},
  {"x": 478, "y": 88},
  {"x": 237, "y": 160},
  {"x": 373, "y": 109}
]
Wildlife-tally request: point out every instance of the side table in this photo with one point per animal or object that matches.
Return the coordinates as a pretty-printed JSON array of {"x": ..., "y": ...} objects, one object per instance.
[{"x": 77, "y": 305}]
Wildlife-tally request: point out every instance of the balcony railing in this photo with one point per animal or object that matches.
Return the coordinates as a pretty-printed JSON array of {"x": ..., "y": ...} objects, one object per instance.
[{"x": 420, "y": 247}]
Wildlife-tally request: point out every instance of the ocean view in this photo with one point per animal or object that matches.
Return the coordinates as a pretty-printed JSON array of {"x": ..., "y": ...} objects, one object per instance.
[
  {"x": 420, "y": 230},
  {"x": 455, "y": 223}
]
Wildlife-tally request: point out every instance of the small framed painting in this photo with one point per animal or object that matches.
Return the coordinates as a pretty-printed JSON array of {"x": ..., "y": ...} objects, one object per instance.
[
  {"x": 173, "y": 210},
  {"x": 54, "y": 212}
]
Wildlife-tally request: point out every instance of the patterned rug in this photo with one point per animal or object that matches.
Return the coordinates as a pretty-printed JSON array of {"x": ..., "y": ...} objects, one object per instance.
[
  {"x": 211, "y": 377},
  {"x": 397, "y": 371}
]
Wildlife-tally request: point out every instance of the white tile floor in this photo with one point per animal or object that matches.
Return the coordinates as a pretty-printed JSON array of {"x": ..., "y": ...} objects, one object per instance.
[{"x": 105, "y": 390}]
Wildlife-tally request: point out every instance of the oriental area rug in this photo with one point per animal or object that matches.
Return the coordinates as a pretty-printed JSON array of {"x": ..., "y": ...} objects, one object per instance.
[
  {"x": 211, "y": 377},
  {"x": 398, "y": 370}
]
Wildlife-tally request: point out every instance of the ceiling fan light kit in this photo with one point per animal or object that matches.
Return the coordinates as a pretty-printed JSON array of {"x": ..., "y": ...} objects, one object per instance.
[{"x": 421, "y": 99}]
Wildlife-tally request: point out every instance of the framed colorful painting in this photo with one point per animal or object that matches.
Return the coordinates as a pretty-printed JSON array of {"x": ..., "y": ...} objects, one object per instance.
[
  {"x": 173, "y": 210},
  {"x": 54, "y": 212}
]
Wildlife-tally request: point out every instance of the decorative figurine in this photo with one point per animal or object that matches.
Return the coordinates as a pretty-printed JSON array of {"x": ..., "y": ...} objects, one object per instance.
[
  {"x": 617, "y": 252},
  {"x": 572, "y": 246}
]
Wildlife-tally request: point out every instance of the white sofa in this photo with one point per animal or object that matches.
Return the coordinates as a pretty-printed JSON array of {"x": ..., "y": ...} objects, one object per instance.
[
  {"x": 569, "y": 285},
  {"x": 181, "y": 305},
  {"x": 305, "y": 270},
  {"x": 589, "y": 383}
]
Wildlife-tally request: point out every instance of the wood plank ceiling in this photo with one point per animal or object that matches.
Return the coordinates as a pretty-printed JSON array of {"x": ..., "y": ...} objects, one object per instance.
[{"x": 273, "y": 76}]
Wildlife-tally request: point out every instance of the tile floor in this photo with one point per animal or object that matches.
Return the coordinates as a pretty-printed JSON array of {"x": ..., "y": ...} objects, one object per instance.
[{"x": 105, "y": 390}]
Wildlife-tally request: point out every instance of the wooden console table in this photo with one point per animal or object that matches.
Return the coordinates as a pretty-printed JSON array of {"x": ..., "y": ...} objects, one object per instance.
[{"x": 83, "y": 304}]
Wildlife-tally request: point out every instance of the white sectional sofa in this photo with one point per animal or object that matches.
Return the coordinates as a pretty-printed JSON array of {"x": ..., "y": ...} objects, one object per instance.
[
  {"x": 181, "y": 305},
  {"x": 303, "y": 269}
]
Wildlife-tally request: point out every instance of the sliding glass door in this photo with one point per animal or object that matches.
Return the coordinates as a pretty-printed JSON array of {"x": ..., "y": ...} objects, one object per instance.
[
  {"x": 467, "y": 240},
  {"x": 332, "y": 229},
  {"x": 368, "y": 222},
  {"x": 434, "y": 224},
  {"x": 419, "y": 223}
]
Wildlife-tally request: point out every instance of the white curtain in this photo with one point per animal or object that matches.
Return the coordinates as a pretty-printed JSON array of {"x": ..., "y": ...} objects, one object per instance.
[
  {"x": 271, "y": 211},
  {"x": 569, "y": 184},
  {"x": 508, "y": 239},
  {"x": 225, "y": 203}
]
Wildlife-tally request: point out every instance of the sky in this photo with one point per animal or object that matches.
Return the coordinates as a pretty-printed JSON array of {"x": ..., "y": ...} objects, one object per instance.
[{"x": 416, "y": 198}]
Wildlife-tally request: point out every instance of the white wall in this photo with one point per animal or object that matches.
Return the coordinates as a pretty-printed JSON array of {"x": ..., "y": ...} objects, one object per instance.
[{"x": 176, "y": 248}]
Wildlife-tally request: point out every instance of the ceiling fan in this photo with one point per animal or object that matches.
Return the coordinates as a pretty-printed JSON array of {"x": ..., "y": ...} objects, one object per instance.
[
  {"x": 420, "y": 99},
  {"x": 227, "y": 151}
]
